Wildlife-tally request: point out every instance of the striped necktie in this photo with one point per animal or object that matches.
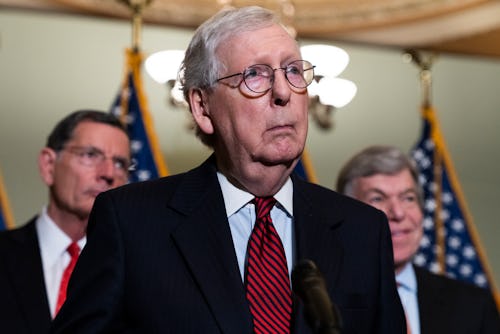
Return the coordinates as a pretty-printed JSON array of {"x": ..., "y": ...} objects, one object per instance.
[{"x": 267, "y": 281}]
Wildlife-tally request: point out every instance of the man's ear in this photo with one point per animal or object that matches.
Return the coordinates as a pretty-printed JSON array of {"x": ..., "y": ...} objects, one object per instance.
[
  {"x": 46, "y": 165},
  {"x": 200, "y": 110}
]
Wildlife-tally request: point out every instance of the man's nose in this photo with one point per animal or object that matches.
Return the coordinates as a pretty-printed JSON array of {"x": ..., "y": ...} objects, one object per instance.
[
  {"x": 281, "y": 89},
  {"x": 106, "y": 170},
  {"x": 395, "y": 210}
]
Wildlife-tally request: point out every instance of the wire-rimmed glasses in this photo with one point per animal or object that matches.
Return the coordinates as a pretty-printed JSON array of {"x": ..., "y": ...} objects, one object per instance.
[
  {"x": 259, "y": 78},
  {"x": 91, "y": 156}
]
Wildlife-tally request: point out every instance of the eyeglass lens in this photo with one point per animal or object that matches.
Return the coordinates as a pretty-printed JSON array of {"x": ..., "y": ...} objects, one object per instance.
[
  {"x": 260, "y": 78},
  {"x": 91, "y": 156}
]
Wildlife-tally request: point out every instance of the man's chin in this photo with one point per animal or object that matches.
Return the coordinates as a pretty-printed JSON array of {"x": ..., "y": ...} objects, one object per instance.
[
  {"x": 285, "y": 157},
  {"x": 286, "y": 161}
]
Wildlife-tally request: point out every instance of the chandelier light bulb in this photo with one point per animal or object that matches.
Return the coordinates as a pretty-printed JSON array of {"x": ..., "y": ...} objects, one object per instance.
[
  {"x": 163, "y": 66},
  {"x": 336, "y": 92},
  {"x": 329, "y": 60}
]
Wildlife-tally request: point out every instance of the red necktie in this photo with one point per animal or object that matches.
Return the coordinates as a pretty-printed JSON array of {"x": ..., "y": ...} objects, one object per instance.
[
  {"x": 74, "y": 251},
  {"x": 267, "y": 280}
]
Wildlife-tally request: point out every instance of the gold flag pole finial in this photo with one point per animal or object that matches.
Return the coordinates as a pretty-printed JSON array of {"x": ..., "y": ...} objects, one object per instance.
[
  {"x": 424, "y": 63},
  {"x": 137, "y": 7}
]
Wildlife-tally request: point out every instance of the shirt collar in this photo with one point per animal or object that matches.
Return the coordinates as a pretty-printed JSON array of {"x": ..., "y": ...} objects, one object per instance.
[
  {"x": 235, "y": 198},
  {"x": 407, "y": 279},
  {"x": 53, "y": 241}
]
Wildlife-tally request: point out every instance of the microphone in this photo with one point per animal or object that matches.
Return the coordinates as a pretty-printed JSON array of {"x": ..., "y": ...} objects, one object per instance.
[{"x": 321, "y": 314}]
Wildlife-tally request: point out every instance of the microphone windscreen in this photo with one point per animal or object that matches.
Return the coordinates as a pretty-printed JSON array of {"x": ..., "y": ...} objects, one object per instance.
[{"x": 309, "y": 285}]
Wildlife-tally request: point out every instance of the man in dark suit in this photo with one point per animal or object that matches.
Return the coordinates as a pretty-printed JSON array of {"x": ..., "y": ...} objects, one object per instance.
[
  {"x": 386, "y": 178},
  {"x": 170, "y": 256},
  {"x": 86, "y": 153}
]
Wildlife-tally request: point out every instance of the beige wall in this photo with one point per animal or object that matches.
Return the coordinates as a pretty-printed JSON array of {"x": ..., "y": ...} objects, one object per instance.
[{"x": 51, "y": 65}]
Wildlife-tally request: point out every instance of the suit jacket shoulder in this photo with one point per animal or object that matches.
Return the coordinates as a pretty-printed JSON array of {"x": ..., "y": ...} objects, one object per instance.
[
  {"x": 350, "y": 243},
  {"x": 23, "y": 306},
  {"x": 451, "y": 306}
]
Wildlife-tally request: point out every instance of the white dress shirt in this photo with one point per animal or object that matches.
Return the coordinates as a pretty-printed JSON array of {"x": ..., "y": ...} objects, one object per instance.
[
  {"x": 241, "y": 215},
  {"x": 407, "y": 289},
  {"x": 53, "y": 244}
]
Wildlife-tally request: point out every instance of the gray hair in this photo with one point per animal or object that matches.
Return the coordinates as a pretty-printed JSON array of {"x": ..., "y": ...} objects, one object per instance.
[
  {"x": 387, "y": 160},
  {"x": 201, "y": 67}
]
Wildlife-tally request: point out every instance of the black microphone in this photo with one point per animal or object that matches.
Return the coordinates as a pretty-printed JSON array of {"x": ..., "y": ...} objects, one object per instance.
[{"x": 321, "y": 314}]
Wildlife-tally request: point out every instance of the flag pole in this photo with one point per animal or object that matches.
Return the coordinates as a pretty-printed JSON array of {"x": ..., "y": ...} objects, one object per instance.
[
  {"x": 137, "y": 7},
  {"x": 5, "y": 209},
  {"x": 133, "y": 63},
  {"x": 424, "y": 63},
  {"x": 442, "y": 162}
]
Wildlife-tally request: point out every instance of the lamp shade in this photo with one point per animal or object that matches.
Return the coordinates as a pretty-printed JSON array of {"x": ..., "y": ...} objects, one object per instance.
[
  {"x": 335, "y": 91},
  {"x": 329, "y": 60},
  {"x": 163, "y": 66}
]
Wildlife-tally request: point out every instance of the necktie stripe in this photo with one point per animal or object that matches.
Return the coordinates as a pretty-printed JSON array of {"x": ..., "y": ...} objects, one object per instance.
[
  {"x": 275, "y": 288},
  {"x": 278, "y": 314},
  {"x": 275, "y": 280},
  {"x": 276, "y": 271},
  {"x": 278, "y": 311},
  {"x": 267, "y": 280},
  {"x": 266, "y": 321}
]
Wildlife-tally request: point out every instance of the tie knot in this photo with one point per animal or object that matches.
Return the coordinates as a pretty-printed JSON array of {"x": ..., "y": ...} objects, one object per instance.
[
  {"x": 263, "y": 205},
  {"x": 73, "y": 249}
]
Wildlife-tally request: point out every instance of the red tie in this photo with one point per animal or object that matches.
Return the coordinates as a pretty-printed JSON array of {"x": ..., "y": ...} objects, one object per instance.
[
  {"x": 267, "y": 280},
  {"x": 74, "y": 251}
]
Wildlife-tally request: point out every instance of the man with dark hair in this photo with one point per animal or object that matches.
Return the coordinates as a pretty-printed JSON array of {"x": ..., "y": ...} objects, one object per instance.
[
  {"x": 86, "y": 153},
  {"x": 211, "y": 250},
  {"x": 385, "y": 177}
]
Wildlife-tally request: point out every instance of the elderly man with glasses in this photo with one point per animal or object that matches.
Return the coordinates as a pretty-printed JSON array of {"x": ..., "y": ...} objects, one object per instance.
[
  {"x": 86, "y": 153},
  {"x": 212, "y": 250}
]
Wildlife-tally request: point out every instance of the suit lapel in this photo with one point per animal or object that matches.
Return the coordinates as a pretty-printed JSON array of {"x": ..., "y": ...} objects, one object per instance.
[
  {"x": 316, "y": 239},
  {"x": 25, "y": 270},
  {"x": 205, "y": 241},
  {"x": 315, "y": 232},
  {"x": 430, "y": 303}
]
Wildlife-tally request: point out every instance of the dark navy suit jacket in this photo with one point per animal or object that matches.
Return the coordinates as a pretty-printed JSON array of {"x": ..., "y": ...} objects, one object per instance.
[
  {"x": 24, "y": 308},
  {"x": 159, "y": 258},
  {"x": 450, "y": 306}
]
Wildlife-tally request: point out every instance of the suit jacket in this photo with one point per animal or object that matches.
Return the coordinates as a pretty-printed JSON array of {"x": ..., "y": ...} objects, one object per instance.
[
  {"x": 24, "y": 307},
  {"x": 451, "y": 306},
  {"x": 159, "y": 258}
]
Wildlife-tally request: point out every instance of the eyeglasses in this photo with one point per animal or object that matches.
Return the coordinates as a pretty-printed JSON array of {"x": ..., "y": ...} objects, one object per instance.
[
  {"x": 259, "y": 78},
  {"x": 91, "y": 156}
]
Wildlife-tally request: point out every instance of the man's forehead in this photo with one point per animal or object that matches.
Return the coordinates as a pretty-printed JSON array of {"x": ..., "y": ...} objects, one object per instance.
[
  {"x": 401, "y": 180},
  {"x": 98, "y": 135},
  {"x": 255, "y": 45}
]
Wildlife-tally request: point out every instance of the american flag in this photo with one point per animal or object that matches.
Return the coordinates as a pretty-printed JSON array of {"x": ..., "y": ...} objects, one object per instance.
[
  {"x": 6, "y": 218},
  {"x": 131, "y": 107},
  {"x": 451, "y": 244}
]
